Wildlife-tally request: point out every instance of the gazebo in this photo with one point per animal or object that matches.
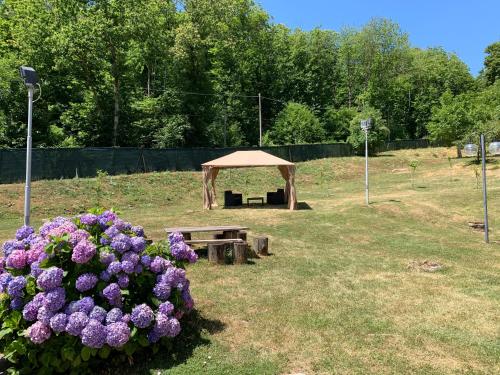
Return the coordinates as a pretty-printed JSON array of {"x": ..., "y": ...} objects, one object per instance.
[{"x": 247, "y": 159}]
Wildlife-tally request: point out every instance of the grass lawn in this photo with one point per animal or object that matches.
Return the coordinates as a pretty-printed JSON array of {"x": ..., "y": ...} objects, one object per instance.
[{"x": 336, "y": 295}]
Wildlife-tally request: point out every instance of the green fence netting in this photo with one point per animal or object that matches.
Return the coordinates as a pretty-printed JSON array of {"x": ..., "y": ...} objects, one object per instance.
[{"x": 85, "y": 162}]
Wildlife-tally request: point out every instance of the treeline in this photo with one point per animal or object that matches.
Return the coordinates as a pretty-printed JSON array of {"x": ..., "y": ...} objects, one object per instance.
[{"x": 164, "y": 73}]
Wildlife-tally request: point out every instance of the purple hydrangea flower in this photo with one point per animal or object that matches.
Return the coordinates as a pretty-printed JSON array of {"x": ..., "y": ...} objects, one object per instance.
[
  {"x": 128, "y": 267},
  {"x": 138, "y": 269},
  {"x": 113, "y": 294},
  {"x": 188, "y": 300},
  {"x": 44, "y": 315},
  {"x": 158, "y": 264},
  {"x": 88, "y": 219},
  {"x": 94, "y": 334},
  {"x": 126, "y": 318},
  {"x": 138, "y": 230},
  {"x": 98, "y": 313},
  {"x": 16, "y": 303},
  {"x": 9, "y": 246},
  {"x": 105, "y": 276},
  {"x": 123, "y": 281},
  {"x": 39, "y": 332},
  {"x": 76, "y": 323},
  {"x": 121, "y": 243},
  {"x": 106, "y": 219},
  {"x": 50, "y": 279},
  {"x": 30, "y": 311},
  {"x": 122, "y": 225},
  {"x": 142, "y": 316},
  {"x": 67, "y": 227},
  {"x": 175, "y": 237},
  {"x": 174, "y": 327},
  {"x": 55, "y": 299},
  {"x": 24, "y": 232},
  {"x": 58, "y": 322},
  {"x": 85, "y": 305},
  {"x": 166, "y": 308},
  {"x": 78, "y": 236},
  {"x": 5, "y": 279},
  {"x": 138, "y": 244},
  {"x": 17, "y": 259},
  {"x": 36, "y": 271},
  {"x": 107, "y": 258},
  {"x": 162, "y": 291},
  {"x": 33, "y": 255},
  {"x": 130, "y": 256},
  {"x": 109, "y": 234},
  {"x": 83, "y": 252},
  {"x": 146, "y": 260},
  {"x": 161, "y": 328},
  {"x": 86, "y": 282},
  {"x": 114, "y": 315},
  {"x": 117, "y": 334},
  {"x": 114, "y": 268},
  {"x": 39, "y": 300},
  {"x": 16, "y": 287}
]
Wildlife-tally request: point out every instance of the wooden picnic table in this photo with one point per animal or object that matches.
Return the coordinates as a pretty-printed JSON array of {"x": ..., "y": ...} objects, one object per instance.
[
  {"x": 222, "y": 228},
  {"x": 228, "y": 231}
]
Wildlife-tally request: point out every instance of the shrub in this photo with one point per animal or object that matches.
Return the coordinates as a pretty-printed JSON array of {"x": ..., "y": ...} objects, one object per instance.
[
  {"x": 336, "y": 123},
  {"x": 296, "y": 124},
  {"x": 88, "y": 288}
]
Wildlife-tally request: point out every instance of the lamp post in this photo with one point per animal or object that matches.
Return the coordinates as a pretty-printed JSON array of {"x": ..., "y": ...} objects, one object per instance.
[
  {"x": 485, "y": 194},
  {"x": 365, "y": 125},
  {"x": 30, "y": 80}
]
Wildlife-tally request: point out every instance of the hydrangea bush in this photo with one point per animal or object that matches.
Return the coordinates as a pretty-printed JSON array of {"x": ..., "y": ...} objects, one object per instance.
[{"x": 88, "y": 288}]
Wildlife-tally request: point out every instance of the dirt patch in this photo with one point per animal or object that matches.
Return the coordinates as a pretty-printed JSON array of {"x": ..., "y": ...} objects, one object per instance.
[{"x": 425, "y": 266}]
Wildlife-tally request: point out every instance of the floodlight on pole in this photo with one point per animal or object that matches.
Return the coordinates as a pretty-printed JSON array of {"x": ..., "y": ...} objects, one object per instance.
[{"x": 30, "y": 78}]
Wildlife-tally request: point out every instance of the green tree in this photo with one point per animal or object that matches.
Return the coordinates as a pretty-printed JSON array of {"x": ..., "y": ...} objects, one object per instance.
[
  {"x": 296, "y": 124},
  {"x": 492, "y": 63},
  {"x": 377, "y": 134}
]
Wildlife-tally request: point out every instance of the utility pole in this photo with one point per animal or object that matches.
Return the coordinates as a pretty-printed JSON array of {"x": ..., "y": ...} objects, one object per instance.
[
  {"x": 260, "y": 120},
  {"x": 485, "y": 194},
  {"x": 30, "y": 80}
]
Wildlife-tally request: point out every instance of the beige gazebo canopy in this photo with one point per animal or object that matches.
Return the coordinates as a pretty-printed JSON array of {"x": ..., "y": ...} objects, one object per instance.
[{"x": 246, "y": 159}]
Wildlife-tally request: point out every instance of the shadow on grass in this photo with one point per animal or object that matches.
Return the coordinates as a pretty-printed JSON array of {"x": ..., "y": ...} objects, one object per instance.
[
  {"x": 476, "y": 161},
  {"x": 386, "y": 201},
  {"x": 194, "y": 327},
  {"x": 258, "y": 206}
]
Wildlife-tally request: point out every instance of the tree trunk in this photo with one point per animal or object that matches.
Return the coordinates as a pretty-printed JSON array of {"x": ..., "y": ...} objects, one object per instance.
[
  {"x": 240, "y": 253},
  {"x": 216, "y": 253},
  {"x": 261, "y": 245},
  {"x": 116, "y": 116}
]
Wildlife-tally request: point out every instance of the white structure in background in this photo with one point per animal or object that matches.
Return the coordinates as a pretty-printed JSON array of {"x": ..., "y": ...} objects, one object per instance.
[
  {"x": 494, "y": 148},
  {"x": 470, "y": 149}
]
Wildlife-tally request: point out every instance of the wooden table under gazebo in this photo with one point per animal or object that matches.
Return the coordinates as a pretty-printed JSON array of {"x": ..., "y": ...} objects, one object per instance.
[{"x": 248, "y": 159}]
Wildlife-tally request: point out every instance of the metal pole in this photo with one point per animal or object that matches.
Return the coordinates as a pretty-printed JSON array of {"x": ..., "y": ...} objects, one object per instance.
[
  {"x": 485, "y": 195},
  {"x": 366, "y": 168},
  {"x": 260, "y": 120},
  {"x": 27, "y": 189}
]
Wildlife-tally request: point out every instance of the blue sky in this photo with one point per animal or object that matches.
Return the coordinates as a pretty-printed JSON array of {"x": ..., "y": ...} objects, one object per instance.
[{"x": 460, "y": 26}]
